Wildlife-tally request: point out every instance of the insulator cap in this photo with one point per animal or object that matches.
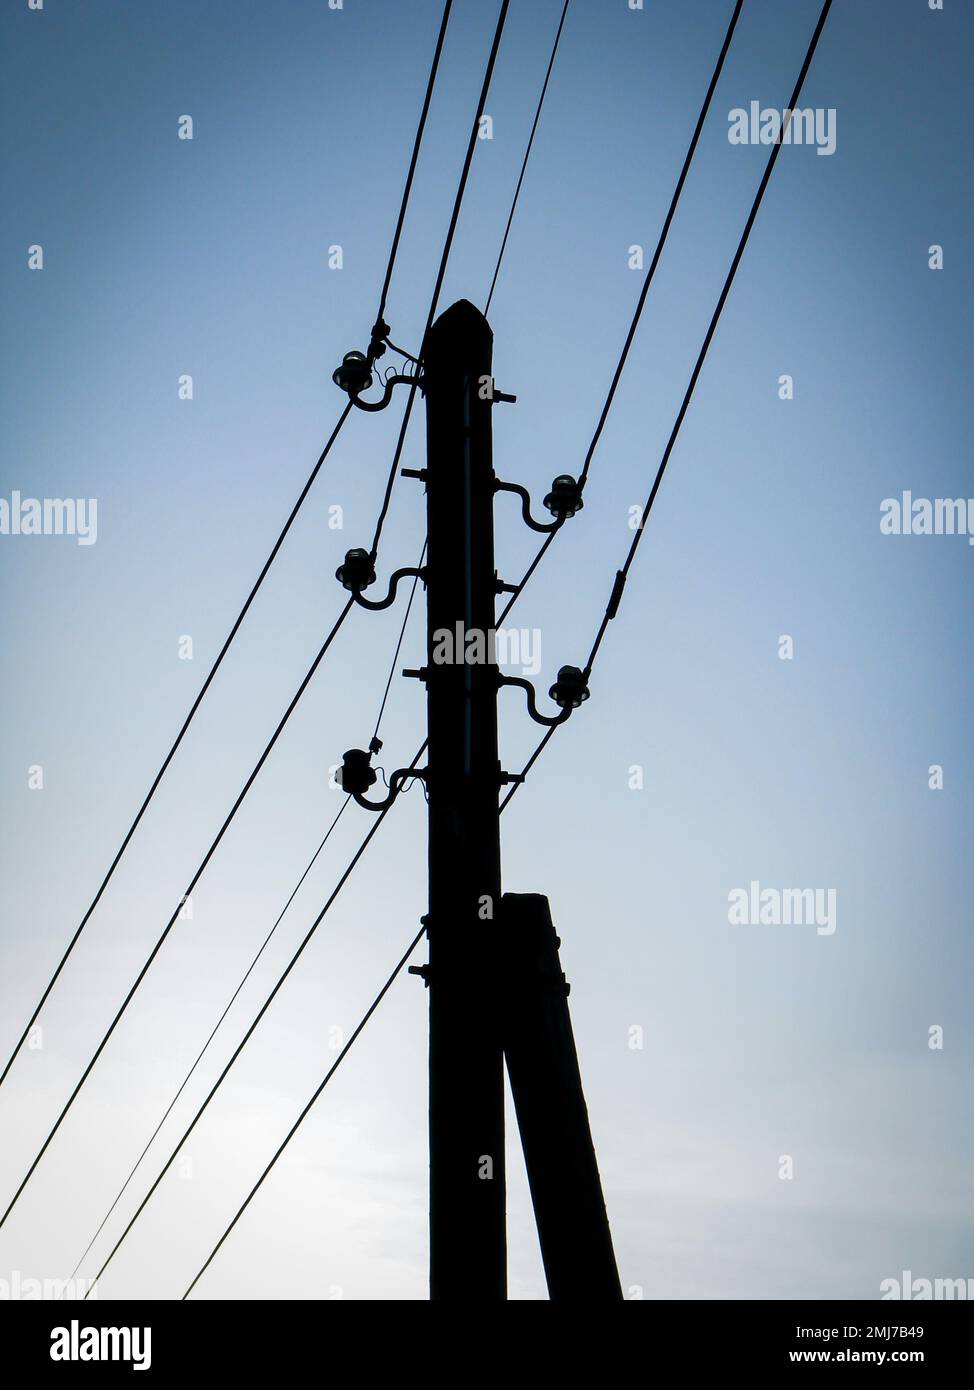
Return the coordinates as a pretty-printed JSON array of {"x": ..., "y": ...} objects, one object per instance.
[
  {"x": 356, "y": 775},
  {"x": 353, "y": 375},
  {"x": 565, "y": 497},
  {"x": 358, "y": 571},
  {"x": 570, "y": 689}
]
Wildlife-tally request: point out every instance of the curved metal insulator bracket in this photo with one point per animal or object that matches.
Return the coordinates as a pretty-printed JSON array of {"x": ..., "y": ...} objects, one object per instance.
[
  {"x": 390, "y": 384},
  {"x": 396, "y": 783},
  {"x": 394, "y": 580},
  {"x": 547, "y": 719},
  {"x": 525, "y": 497}
]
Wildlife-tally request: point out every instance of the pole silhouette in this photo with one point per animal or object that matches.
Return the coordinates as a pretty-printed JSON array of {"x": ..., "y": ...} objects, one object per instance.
[{"x": 468, "y": 1248}]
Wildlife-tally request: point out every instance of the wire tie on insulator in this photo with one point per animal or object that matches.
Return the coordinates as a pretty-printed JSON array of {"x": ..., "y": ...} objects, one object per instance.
[{"x": 377, "y": 345}]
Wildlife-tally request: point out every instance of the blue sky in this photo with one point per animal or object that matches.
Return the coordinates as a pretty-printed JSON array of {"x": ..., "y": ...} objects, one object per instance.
[{"x": 164, "y": 257}]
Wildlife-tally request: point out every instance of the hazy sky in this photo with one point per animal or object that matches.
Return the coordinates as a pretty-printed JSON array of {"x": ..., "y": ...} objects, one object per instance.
[{"x": 165, "y": 257}]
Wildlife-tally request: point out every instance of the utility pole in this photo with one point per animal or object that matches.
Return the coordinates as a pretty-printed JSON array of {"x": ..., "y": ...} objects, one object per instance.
[
  {"x": 468, "y": 1244},
  {"x": 495, "y": 982}
]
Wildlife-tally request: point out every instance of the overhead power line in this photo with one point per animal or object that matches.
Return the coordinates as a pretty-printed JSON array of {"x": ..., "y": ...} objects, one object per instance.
[
  {"x": 527, "y": 156},
  {"x": 661, "y": 242},
  {"x": 402, "y": 634},
  {"x": 611, "y": 609},
  {"x": 379, "y": 527},
  {"x": 264, "y": 570},
  {"x": 468, "y": 158},
  {"x": 385, "y": 505},
  {"x": 414, "y": 159},
  {"x": 179, "y": 737},
  {"x": 175, "y": 914},
  {"x": 216, "y": 1028},
  {"x": 444, "y": 258},
  {"x": 380, "y": 817},
  {"x": 325, "y": 1080},
  {"x": 615, "y": 597},
  {"x": 643, "y": 294},
  {"x": 263, "y": 946},
  {"x": 297, "y": 1123}
]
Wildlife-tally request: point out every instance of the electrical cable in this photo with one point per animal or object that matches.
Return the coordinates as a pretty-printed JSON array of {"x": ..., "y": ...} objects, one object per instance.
[
  {"x": 527, "y": 156},
  {"x": 380, "y": 817},
  {"x": 264, "y": 943},
  {"x": 402, "y": 634},
  {"x": 263, "y": 572},
  {"x": 644, "y": 292},
  {"x": 444, "y": 258},
  {"x": 193, "y": 882},
  {"x": 179, "y": 738},
  {"x": 610, "y": 612},
  {"x": 615, "y": 597},
  {"x": 327, "y": 1077},
  {"x": 216, "y": 1027},
  {"x": 414, "y": 160},
  {"x": 294, "y": 1128}
]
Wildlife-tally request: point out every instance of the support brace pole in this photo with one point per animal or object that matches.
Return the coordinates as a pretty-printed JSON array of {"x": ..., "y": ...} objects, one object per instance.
[{"x": 542, "y": 1064}]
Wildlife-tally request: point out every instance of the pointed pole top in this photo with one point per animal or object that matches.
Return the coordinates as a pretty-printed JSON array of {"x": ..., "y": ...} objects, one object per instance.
[{"x": 458, "y": 332}]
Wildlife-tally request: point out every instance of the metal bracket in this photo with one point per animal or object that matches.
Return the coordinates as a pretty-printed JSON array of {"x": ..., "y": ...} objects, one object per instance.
[
  {"x": 375, "y": 604},
  {"x": 390, "y": 383},
  {"x": 548, "y": 719},
  {"x": 525, "y": 496},
  {"x": 396, "y": 781}
]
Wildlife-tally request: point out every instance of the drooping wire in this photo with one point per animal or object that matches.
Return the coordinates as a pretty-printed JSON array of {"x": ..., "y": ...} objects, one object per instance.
[
  {"x": 393, "y": 471},
  {"x": 264, "y": 944},
  {"x": 441, "y": 271},
  {"x": 527, "y": 156},
  {"x": 297, "y": 1123},
  {"x": 468, "y": 160},
  {"x": 615, "y": 597},
  {"x": 402, "y": 634},
  {"x": 216, "y": 1028},
  {"x": 644, "y": 291},
  {"x": 414, "y": 159},
  {"x": 661, "y": 241},
  {"x": 403, "y": 353},
  {"x": 263, "y": 572},
  {"x": 380, "y": 817},
  {"x": 544, "y": 741},
  {"x": 542, "y": 745},
  {"x": 523, "y": 581},
  {"x": 262, "y": 575},
  {"x": 179, "y": 737},
  {"x": 436, "y": 292},
  {"x": 325, "y": 1080},
  {"x": 193, "y": 882},
  {"x": 612, "y": 606}
]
